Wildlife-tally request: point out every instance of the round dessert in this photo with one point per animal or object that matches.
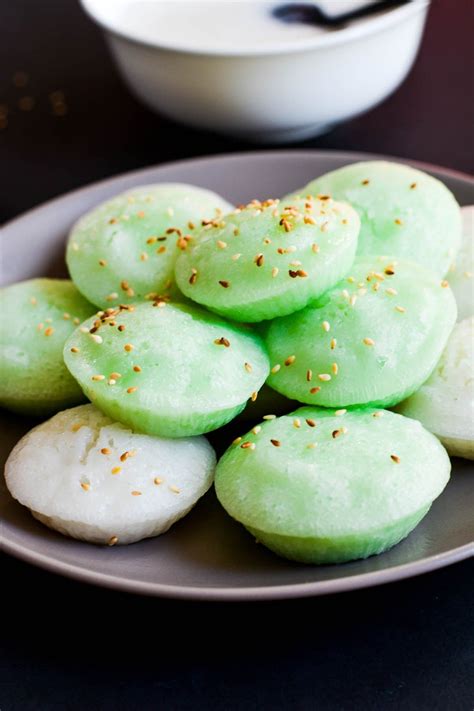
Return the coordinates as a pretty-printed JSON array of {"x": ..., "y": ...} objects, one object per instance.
[
  {"x": 269, "y": 259},
  {"x": 37, "y": 317},
  {"x": 322, "y": 486},
  {"x": 445, "y": 402},
  {"x": 372, "y": 339},
  {"x": 126, "y": 247},
  {"x": 461, "y": 273},
  {"x": 167, "y": 369},
  {"x": 93, "y": 479},
  {"x": 403, "y": 211}
]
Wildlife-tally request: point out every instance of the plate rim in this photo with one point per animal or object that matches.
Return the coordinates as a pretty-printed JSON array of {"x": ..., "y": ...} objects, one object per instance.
[{"x": 252, "y": 593}]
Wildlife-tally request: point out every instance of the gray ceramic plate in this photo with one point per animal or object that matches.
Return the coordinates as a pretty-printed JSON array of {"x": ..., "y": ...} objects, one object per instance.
[{"x": 207, "y": 555}]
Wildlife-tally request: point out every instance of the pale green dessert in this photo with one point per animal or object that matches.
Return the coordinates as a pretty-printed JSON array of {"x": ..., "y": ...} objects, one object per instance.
[
  {"x": 372, "y": 339},
  {"x": 37, "y": 317},
  {"x": 167, "y": 369},
  {"x": 320, "y": 486},
  {"x": 126, "y": 248},
  {"x": 404, "y": 212},
  {"x": 269, "y": 259},
  {"x": 445, "y": 402},
  {"x": 461, "y": 272}
]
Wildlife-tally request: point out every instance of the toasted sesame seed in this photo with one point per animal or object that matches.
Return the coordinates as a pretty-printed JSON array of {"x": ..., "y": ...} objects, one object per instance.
[
  {"x": 444, "y": 283},
  {"x": 151, "y": 240},
  {"x": 324, "y": 377},
  {"x": 379, "y": 413},
  {"x": 49, "y": 331},
  {"x": 315, "y": 248},
  {"x": 74, "y": 349},
  {"x": 128, "y": 347},
  {"x": 400, "y": 309},
  {"x": 308, "y": 220},
  {"x": 298, "y": 273},
  {"x": 312, "y": 445},
  {"x": 275, "y": 271},
  {"x": 97, "y": 339},
  {"x": 105, "y": 450},
  {"x": 112, "y": 296},
  {"x": 391, "y": 292},
  {"x": 224, "y": 283},
  {"x": 365, "y": 182},
  {"x": 132, "y": 390},
  {"x": 247, "y": 445},
  {"x": 98, "y": 377},
  {"x": 221, "y": 244},
  {"x": 335, "y": 368},
  {"x": 333, "y": 343},
  {"x": 269, "y": 417},
  {"x": 161, "y": 250},
  {"x": 254, "y": 396},
  {"x": 237, "y": 440},
  {"x": 368, "y": 341},
  {"x": 77, "y": 426},
  {"x": 102, "y": 262},
  {"x": 248, "y": 367},
  {"x": 115, "y": 376},
  {"x": 174, "y": 489},
  {"x": 222, "y": 342},
  {"x": 237, "y": 256},
  {"x": 116, "y": 470},
  {"x": 310, "y": 422},
  {"x": 276, "y": 368},
  {"x": 112, "y": 541},
  {"x": 326, "y": 326},
  {"x": 143, "y": 256},
  {"x": 157, "y": 480},
  {"x": 127, "y": 454},
  {"x": 315, "y": 390},
  {"x": 290, "y": 360},
  {"x": 413, "y": 186},
  {"x": 85, "y": 486},
  {"x": 339, "y": 413},
  {"x": 297, "y": 423},
  {"x": 137, "y": 369},
  {"x": 395, "y": 458},
  {"x": 256, "y": 429},
  {"x": 309, "y": 375},
  {"x": 337, "y": 433},
  {"x": 276, "y": 442},
  {"x": 398, "y": 221},
  {"x": 136, "y": 493}
]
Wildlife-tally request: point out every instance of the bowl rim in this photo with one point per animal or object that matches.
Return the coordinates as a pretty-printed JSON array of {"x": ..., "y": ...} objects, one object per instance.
[{"x": 366, "y": 28}]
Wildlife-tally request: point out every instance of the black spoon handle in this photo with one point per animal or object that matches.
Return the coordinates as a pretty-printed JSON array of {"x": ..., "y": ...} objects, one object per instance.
[{"x": 311, "y": 13}]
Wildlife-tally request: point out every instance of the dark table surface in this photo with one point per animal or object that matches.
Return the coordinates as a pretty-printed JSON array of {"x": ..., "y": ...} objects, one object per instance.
[{"x": 408, "y": 645}]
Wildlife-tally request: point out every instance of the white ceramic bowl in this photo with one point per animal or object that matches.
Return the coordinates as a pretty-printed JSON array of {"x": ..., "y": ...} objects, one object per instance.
[{"x": 272, "y": 94}]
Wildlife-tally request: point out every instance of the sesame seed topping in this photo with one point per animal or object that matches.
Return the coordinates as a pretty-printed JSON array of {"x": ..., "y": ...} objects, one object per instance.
[
  {"x": 312, "y": 445},
  {"x": 97, "y": 339},
  {"x": 256, "y": 429},
  {"x": 333, "y": 343},
  {"x": 102, "y": 262},
  {"x": 49, "y": 331},
  {"x": 324, "y": 377},
  {"x": 237, "y": 256},
  {"x": 290, "y": 360},
  {"x": 137, "y": 369},
  {"x": 269, "y": 417},
  {"x": 116, "y": 470},
  {"x": 335, "y": 368},
  {"x": 353, "y": 300},
  {"x": 74, "y": 349},
  {"x": 398, "y": 221},
  {"x": 225, "y": 284},
  {"x": 98, "y": 377},
  {"x": 127, "y": 454},
  {"x": 298, "y": 273},
  {"x": 143, "y": 256},
  {"x": 338, "y": 433},
  {"x": 132, "y": 390},
  {"x": 389, "y": 271},
  {"x": 297, "y": 423},
  {"x": 315, "y": 390},
  {"x": 276, "y": 442},
  {"x": 247, "y": 445},
  {"x": 340, "y": 412},
  {"x": 112, "y": 296},
  {"x": 237, "y": 440},
  {"x": 157, "y": 480},
  {"x": 395, "y": 458},
  {"x": 222, "y": 342},
  {"x": 221, "y": 244},
  {"x": 391, "y": 292},
  {"x": 368, "y": 341},
  {"x": 112, "y": 541},
  {"x": 308, "y": 220},
  {"x": 379, "y": 413},
  {"x": 365, "y": 182},
  {"x": 85, "y": 486},
  {"x": 174, "y": 489},
  {"x": 400, "y": 309},
  {"x": 413, "y": 186},
  {"x": 310, "y": 422},
  {"x": 115, "y": 376},
  {"x": 136, "y": 493},
  {"x": 444, "y": 284},
  {"x": 105, "y": 450},
  {"x": 151, "y": 240},
  {"x": 248, "y": 367},
  {"x": 309, "y": 375},
  {"x": 315, "y": 248},
  {"x": 326, "y": 325},
  {"x": 259, "y": 260},
  {"x": 276, "y": 368},
  {"x": 76, "y": 427},
  {"x": 254, "y": 396},
  {"x": 275, "y": 271},
  {"x": 128, "y": 347}
]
